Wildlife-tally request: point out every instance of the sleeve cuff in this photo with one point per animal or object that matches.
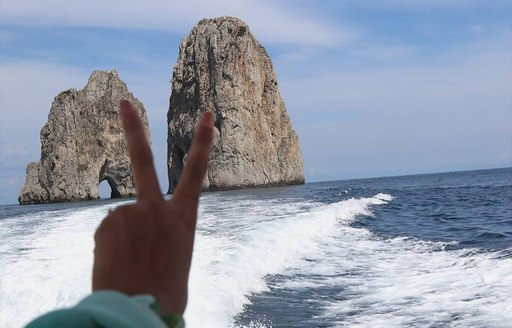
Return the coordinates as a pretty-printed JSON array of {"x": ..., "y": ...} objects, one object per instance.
[{"x": 110, "y": 309}]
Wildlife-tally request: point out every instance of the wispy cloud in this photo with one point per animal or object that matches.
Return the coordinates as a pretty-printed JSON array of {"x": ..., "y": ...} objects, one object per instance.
[
  {"x": 421, "y": 4},
  {"x": 27, "y": 89},
  {"x": 269, "y": 20},
  {"x": 18, "y": 151},
  {"x": 478, "y": 71},
  {"x": 407, "y": 118}
]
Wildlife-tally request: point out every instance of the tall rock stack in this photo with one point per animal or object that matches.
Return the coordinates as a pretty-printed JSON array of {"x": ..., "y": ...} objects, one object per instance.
[
  {"x": 222, "y": 68},
  {"x": 83, "y": 144}
]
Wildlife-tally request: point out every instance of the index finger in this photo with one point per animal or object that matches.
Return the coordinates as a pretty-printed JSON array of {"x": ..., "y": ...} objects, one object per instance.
[
  {"x": 139, "y": 151},
  {"x": 191, "y": 181}
]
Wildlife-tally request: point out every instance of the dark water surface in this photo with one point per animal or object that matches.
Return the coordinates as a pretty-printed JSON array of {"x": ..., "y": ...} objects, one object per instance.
[
  {"x": 464, "y": 210},
  {"x": 429, "y": 250}
]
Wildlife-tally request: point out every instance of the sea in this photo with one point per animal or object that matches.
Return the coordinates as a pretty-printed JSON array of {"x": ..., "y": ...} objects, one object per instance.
[{"x": 431, "y": 250}]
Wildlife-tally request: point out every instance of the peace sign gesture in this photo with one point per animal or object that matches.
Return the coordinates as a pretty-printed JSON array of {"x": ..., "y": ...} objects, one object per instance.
[{"x": 146, "y": 247}]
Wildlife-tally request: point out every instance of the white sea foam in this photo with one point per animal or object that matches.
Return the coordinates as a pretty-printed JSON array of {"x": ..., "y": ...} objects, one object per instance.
[
  {"x": 241, "y": 241},
  {"x": 404, "y": 282},
  {"x": 45, "y": 262},
  {"x": 409, "y": 284},
  {"x": 229, "y": 267},
  {"x": 385, "y": 197}
]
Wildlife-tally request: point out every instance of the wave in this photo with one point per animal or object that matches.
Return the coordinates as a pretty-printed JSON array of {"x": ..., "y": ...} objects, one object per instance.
[
  {"x": 402, "y": 282},
  {"x": 395, "y": 282},
  {"x": 398, "y": 282},
  {"x": 46, "y": 261},
  {"x": 228, "y": 268},
  {"x": 241, "y": 242}
]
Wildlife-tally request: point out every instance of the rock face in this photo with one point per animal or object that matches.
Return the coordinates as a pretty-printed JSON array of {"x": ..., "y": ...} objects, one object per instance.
[
  {"x": 222, "y": 68},
  {"x": 83, "y": 144}
]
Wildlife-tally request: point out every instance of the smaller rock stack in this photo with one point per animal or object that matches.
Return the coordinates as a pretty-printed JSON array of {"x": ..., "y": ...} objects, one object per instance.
[{"x": 83, "y": 144}]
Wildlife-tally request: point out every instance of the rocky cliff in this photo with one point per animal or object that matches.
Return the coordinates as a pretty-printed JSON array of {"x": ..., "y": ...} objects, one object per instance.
[
  {"x": 222, "y": 68},
  {"x": 83, "y": 144}
]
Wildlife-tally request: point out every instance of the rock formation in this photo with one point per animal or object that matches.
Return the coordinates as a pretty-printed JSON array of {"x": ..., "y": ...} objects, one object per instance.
[
  {"x": 222, "y": 68},
  {"x": 83, "y": 144}
]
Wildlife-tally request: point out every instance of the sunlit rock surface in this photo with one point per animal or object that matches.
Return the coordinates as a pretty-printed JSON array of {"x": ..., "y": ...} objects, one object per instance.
[
  {"x": 222, "y": 68},
  {"x": 83, "y": 144}
]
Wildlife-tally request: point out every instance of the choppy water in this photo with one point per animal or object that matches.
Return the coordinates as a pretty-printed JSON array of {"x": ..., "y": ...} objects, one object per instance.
[{"x": 414, "y": 251}]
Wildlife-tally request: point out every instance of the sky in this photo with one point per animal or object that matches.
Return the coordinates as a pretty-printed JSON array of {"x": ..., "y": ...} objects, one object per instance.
[{"x": 373, "y": 88}]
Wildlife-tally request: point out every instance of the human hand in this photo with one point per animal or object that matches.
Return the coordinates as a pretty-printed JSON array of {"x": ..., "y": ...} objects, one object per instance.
[{"x": 146, "y": 247}]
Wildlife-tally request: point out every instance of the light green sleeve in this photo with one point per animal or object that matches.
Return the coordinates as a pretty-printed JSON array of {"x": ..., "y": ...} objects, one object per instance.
[{"x": 109, "y": 309}]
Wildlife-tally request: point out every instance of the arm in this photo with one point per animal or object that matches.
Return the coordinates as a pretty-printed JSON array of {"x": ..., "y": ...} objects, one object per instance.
[{"x": 144, "y": 248}]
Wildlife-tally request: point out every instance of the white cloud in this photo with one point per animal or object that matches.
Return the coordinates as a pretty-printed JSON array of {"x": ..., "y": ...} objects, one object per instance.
[
  {"x": 384, "y": 52},
  {"x": 27, "y": 89},
  {"x": 18, "y": 151},
  {"x": 481, "y": 73},
  {"x": 422, "y": 4},
  {"x": 268, "y": 20},
  {"x": 449, "y": 113}
]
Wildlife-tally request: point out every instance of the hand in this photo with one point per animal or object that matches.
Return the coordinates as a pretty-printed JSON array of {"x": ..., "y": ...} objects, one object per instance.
[{"x": 146, "y": 247}]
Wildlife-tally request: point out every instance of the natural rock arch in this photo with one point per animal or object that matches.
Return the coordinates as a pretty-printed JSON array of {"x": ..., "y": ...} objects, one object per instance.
[
  {"x": 109, "y": 174},
  {"x": 114, "y": 191},
  {"x": 83, "y": 144}
]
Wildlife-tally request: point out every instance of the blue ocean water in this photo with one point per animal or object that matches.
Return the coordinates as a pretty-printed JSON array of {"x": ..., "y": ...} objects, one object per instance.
[{"x": 429, "y": 250}]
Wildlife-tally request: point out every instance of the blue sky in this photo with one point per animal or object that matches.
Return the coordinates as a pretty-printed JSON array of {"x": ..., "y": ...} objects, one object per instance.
[{"x": 373, "y": 88}]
